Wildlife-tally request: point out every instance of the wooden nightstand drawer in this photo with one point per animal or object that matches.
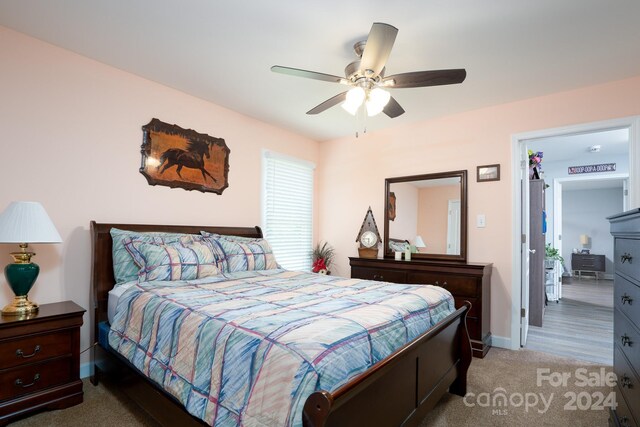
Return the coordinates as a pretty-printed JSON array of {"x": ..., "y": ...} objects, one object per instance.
[
  {"x": 30, "y": 378},
  {"x": 40, "y": 360},
  {"x": 459, "y": 286},
  {"x": 34, "y": 348}
]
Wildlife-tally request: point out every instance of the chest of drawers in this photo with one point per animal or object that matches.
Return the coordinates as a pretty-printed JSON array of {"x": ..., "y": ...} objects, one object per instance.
[
  {"x": 625, "y": 228},
  {"x": 588, "y": 262},
  {"x": 466, "y": 282},
  {"x": 40, "y": 360}
]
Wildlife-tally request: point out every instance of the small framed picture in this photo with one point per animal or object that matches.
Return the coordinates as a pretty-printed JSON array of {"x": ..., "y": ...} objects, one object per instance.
[
  {"x": 585, "y": 251},
  {"x": 488, "y": 173}
]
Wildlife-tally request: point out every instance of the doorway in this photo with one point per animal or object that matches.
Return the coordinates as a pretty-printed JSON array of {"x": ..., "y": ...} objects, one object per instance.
[{"x": 520, "y": 176}]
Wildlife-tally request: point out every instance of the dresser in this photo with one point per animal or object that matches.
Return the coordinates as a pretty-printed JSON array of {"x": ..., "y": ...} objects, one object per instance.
[
  {"x": 466, "y": 282},
  {"x": 588, "y": 262},
  {"x": 625, "y": 228},
  {"x": 40, "y": 360}
]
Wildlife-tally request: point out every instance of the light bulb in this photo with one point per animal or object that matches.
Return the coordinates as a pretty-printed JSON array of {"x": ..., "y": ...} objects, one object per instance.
[
  {"x": 377, "y": 100},
  {"x": 354, "y": 100}
]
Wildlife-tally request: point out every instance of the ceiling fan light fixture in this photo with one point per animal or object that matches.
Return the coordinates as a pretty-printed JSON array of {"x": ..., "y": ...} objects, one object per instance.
[
  {"x": 355, "y": 98},
  {"x": 376, "y": 101}
]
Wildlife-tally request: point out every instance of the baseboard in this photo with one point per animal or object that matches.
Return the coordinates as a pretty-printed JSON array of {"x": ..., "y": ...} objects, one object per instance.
[
  {"x": 85, "y": 370},
  {"x": 501, "y": 342}
]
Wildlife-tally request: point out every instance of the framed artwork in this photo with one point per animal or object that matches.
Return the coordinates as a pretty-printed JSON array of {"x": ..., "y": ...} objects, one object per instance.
[
  {"x": 391, "y": 206},
  {"x": 488, "y": 173},
  {"x": 184, "y": 158}
]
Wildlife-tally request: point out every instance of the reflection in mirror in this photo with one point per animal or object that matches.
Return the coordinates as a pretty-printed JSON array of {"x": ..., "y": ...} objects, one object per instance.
[{"x": 425, "y": 215}]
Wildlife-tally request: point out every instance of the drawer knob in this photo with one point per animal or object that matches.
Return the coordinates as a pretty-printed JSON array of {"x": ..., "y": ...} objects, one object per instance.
[
  {"x": 625, "y": 340},
  {"x": 19, "y": 352},
  {"x": 437, "y": 283},
  {"x": 19, "y": 382},
  {"x": 626, "y": 299},
  {"x": 625, "y": 381},
  {"x": 626, "y": 257},
  {"x": 378, "y": 277}
]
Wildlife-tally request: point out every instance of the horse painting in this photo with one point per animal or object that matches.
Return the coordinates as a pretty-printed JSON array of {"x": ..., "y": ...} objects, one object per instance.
[
  {"x": 192, "y": 157},
  {"x": 183, "y": 158}
]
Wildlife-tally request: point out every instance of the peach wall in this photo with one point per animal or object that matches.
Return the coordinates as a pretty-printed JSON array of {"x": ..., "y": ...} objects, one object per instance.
[
  {"x": 406, "y": 223},
  {"x": 433, "y": 221},
  {"x": 461, "y": 141},
  {"x": 71, "y": 140}
]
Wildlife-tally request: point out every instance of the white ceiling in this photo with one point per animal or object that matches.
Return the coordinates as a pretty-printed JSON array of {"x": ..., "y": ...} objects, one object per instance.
[
  {"x": 562, "y": 148},
  {"x": 221, "y": 50}
]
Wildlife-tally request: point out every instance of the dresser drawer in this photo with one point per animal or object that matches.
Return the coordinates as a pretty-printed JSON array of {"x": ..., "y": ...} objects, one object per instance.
[
  {"x": 628, "y": 382},
  {"x": 459, "y": 286},
  {"x": 34, "y": 348},
  {"x": 473, "y": 312},
  {"x": 626, "y": 297},
  {"x": 588, "y": 262},
  {"x": 37, "y": 376},
  {"x": 626, "y": 336},
  {"x": 623, "y": 414},
  {"x": 626, "y": 256},
  {"x": 382, "y": 275}
]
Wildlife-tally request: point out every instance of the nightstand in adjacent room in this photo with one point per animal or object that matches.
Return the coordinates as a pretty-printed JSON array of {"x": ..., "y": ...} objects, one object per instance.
[{"x": 40, "y": 360}]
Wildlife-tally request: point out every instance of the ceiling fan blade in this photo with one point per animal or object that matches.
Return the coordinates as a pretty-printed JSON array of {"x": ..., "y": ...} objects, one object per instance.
[
  {"x": 378, "y": 47},
  {"x": 393, "y": 109},
  {"x": 308, "y": 74},
  {"x": 425, "y": 78},
  {"x": 328, "y": 103}
]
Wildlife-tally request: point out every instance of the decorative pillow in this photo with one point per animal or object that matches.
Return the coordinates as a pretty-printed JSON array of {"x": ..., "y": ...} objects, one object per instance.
[
  {"x": 124, "y": 267},
  {"x": 182, "y": 260},
  {"x": 399, "y": 246},
  {"x": 242, "y": 253}
]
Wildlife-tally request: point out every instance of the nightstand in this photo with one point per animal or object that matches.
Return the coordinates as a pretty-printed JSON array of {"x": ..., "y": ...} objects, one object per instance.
[{"x": 40, "y": 360}]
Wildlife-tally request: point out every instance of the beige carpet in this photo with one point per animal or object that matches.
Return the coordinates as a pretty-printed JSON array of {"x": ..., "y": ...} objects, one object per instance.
[{"x": 513, "y": 371}]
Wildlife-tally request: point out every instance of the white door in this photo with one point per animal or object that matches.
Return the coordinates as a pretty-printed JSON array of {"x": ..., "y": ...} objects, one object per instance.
[
  {"x": 524, "y": 246},
  {"x": 453, "y": 228}
]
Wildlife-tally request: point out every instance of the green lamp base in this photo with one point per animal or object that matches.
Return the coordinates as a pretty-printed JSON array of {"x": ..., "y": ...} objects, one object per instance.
[{"x": 21, "y": 277}]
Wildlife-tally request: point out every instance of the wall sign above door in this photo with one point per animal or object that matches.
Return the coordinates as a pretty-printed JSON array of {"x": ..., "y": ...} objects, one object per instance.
[{"x": 604, "y": 167}]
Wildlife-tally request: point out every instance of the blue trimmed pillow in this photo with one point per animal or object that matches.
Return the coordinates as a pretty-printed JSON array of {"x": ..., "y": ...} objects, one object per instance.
[
  {"x": 124, "y": 267},
  {"x": 186, "y": 259},
  {"x": 242, "y": 253}
]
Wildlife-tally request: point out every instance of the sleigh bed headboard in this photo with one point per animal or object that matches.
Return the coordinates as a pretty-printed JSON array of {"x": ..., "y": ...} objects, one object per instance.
[{"x": 102, "y": 278}]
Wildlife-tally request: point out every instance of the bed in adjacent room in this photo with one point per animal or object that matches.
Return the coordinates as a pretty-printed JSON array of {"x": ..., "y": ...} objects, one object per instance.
[{"x": 210, "y": 326}]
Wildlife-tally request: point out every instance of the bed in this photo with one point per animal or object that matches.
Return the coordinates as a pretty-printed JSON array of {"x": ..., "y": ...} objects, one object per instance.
[{"x": 398, "y": 390}]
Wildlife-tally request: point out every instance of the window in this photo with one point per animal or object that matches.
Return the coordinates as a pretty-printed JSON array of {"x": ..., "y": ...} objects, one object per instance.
[{"x": 287, "y": 208}]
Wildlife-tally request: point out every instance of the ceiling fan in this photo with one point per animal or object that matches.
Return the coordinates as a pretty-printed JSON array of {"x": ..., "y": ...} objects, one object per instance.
[{"x": 366, "y": 76}]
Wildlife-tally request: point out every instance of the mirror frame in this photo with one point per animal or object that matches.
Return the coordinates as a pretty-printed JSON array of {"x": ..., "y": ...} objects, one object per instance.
[{"x": 462, "y": 174}]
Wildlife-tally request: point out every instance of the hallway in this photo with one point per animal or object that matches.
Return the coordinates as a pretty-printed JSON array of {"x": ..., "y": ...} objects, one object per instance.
[{"x": 580, "y": 325}]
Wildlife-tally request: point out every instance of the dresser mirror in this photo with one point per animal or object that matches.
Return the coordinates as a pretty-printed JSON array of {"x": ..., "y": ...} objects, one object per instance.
[{"x": 427, "y": 214}]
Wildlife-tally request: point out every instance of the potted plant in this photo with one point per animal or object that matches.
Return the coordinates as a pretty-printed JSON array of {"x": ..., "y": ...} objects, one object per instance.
[
  {"x": 322, "y": 255},
  {"x": 552, "y": 254}
]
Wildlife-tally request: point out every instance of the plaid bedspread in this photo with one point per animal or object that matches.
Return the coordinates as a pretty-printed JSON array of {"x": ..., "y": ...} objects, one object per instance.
[{"x": 248, "y": 348}]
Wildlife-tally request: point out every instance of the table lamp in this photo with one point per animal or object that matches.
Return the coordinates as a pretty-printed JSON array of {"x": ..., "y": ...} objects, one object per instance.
[
  {"x": 419, "y": 243},
  {"x": 24, "y": 223}
]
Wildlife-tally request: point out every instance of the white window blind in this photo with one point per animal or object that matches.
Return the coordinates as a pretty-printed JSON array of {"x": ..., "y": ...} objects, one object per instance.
[{"x": 288, "y": 208}]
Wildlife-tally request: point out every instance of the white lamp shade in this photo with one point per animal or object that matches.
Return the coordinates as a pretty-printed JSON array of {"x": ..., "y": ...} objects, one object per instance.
[
  {"x": 27, "y": 222},
  {"x": 420, "y": 243},
  {"x": 377, "y": 100},
  {"x": 584, "y": 239},
  {"x": 354, "y": 100}
]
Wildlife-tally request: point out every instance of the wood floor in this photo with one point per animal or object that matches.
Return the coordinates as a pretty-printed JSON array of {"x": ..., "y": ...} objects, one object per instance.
[{"x": 580, "y": 325}]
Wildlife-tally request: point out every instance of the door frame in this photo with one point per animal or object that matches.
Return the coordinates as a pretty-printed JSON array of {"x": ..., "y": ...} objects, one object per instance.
[
  {"x": 557, "y": 199},
  {"x": 518, "y": 146},
  {"x": 453, "y": 227}
]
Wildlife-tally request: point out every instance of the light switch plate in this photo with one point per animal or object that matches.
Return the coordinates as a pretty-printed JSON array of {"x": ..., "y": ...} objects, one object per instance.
[{"x": 481, "y": 221}]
